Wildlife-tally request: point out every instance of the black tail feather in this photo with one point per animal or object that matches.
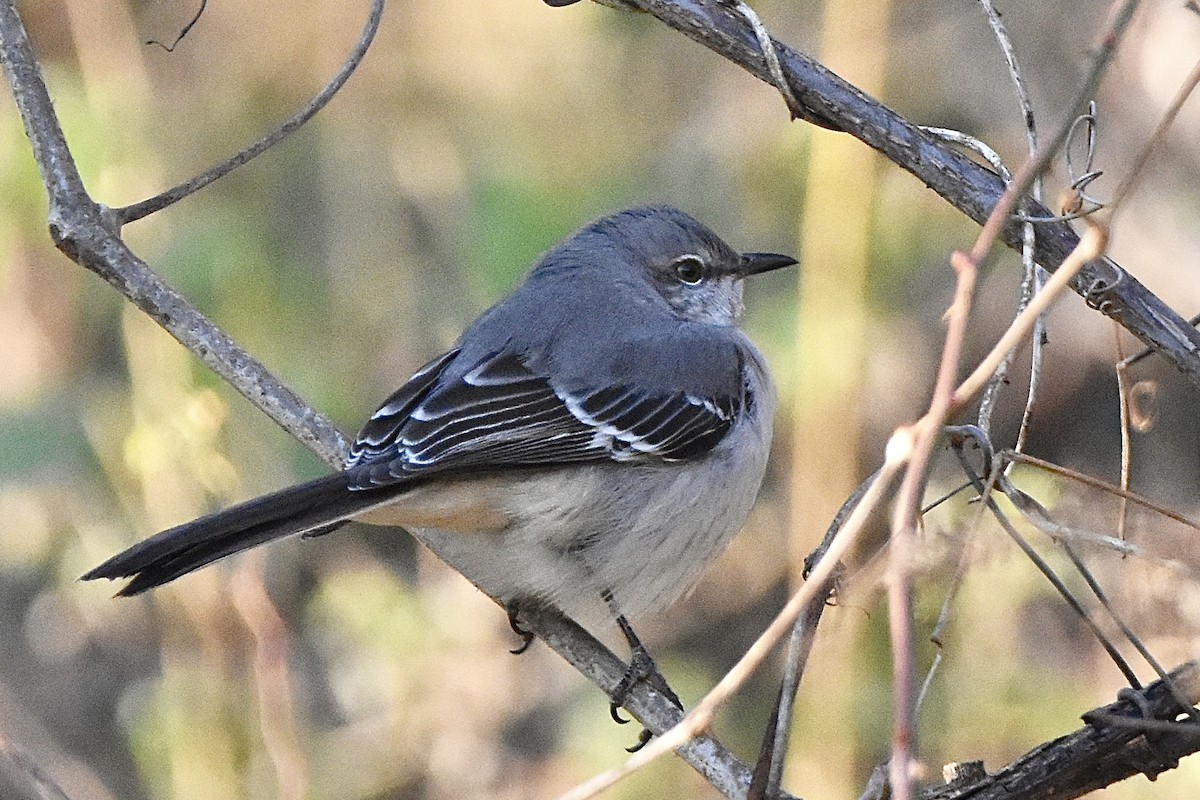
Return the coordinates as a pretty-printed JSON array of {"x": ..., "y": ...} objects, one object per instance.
[{"x": 324, "y": 503}]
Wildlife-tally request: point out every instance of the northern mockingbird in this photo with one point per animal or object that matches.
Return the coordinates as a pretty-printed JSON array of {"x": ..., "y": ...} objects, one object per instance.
[{"x": 597, "y": 437}]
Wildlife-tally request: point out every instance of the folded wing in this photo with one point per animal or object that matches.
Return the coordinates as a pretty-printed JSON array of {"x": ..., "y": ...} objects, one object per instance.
[{"x": 500, "y": 414}]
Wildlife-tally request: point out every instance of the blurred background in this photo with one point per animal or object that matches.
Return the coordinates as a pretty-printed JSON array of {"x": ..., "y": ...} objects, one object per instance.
[{"x": 474, "y": 136}]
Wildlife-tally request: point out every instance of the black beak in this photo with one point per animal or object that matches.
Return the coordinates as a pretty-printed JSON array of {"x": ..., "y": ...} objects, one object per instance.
[{"x": 754, "y": 263}]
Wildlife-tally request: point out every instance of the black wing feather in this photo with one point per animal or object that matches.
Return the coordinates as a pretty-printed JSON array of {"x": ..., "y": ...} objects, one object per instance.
[
  {"x": 378, "y": 435},
  {"x": 501, "y": 414}
]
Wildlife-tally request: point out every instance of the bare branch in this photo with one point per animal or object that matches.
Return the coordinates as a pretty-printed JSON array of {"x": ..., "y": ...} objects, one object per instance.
[
  {"x": 173, "y": 195},
  {"x": 1137, "y": 734},
  {"x": 827, "y": 100},
  {"x": 1032, "y": 276}
]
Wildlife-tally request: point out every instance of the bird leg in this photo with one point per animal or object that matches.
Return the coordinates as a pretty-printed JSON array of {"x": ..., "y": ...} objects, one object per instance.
[{"x": 641, "y": 668}]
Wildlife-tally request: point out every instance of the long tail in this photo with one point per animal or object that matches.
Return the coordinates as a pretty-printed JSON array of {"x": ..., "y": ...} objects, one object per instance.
[{"x": 317, "y": 506}]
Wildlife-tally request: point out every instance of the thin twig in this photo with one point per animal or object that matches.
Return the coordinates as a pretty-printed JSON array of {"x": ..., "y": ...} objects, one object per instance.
[
  {"x": 1126, "y": 434},
  {"x": 772, "y": 58},
  {"x": 1078, "y": 198},
  {"x": 160, "y": 201},
  {"x": 1032, "y": 275},
  {"x": 1146, "y": 352},
  {"x": 184, "y": 31},
  {"x": 1103, "y": 486},
  {"x": 1046, "y": 570},
  {"x": 957, "y": 436},
  {"x": 1033, "y": 167},
  {"x": 975, "y": 145},
  {"x": 1033, "y": 511},
  {"x": 1091, "y": 246},
  {"x": 1126, "y": 630}
]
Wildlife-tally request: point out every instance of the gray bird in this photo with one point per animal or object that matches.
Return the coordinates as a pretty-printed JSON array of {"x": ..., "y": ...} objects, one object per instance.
[{"x": 593, "y": 440}]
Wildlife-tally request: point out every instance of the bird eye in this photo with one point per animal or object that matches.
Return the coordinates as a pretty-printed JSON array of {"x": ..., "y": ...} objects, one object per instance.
[{"x": 689, "y": 269}]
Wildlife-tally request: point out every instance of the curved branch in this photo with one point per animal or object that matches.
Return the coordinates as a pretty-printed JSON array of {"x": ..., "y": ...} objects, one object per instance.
[{"x": 160, "y": 201}]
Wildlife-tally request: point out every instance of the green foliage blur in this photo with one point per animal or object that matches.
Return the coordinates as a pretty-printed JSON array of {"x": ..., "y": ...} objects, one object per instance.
[{"x": 474, "y": 136}]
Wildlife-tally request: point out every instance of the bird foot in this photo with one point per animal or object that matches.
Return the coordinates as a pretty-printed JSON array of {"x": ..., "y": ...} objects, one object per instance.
[{"x": 511, "y": 608}]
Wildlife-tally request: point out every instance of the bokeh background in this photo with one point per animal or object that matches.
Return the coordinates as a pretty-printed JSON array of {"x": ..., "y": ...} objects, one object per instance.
[{"x": 475, "y": 135}]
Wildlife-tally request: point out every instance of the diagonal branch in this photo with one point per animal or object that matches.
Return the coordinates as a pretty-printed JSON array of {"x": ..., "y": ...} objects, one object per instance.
[
  {"x": 1136, "y": 734},
  {"x": 827, "y": 100}
]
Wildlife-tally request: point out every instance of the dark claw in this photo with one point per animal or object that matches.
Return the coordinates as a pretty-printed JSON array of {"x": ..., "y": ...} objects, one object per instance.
[
  {"x": 614, "y": 711},
  {"x": 526, "y": 635},
  {"x": 643, "y": 739}
]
